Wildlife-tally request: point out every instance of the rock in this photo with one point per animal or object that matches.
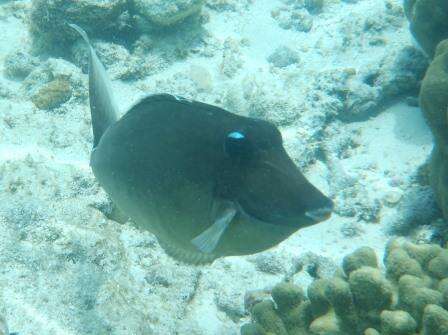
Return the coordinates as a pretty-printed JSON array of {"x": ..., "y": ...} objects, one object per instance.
[
  {"x": 167, "y": 12},
  {"x": 19, "y": 64},
  {"x": 283, "y": 57},
  {"x": 295, "y": 19},
  {"x": 48, "y": 21},
  {"x": 314, "y": 6},
  {"x": 418, "y": 206}
]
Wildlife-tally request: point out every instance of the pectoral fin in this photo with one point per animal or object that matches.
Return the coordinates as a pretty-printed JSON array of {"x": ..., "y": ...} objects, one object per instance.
[{"x": 208, "y": 240}]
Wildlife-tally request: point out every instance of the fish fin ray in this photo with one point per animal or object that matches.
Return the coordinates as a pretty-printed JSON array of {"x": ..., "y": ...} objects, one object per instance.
[
  {"x": 103, "y": 107},
  {"x": 208, "y": 240}
]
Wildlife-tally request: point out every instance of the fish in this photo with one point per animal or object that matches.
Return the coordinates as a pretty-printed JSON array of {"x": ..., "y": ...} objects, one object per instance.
[{"x": 206, "y": 182}]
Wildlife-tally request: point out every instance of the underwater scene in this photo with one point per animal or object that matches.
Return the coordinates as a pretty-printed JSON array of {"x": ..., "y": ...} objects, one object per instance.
[{"x": 223, "y": 167}]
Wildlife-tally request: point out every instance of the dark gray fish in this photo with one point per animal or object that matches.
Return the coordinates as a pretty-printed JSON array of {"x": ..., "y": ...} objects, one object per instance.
[{"x": 206, "y": 182}]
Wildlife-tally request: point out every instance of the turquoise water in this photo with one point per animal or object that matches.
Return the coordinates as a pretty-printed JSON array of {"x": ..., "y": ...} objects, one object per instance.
[{"x": 207, "y": 151}]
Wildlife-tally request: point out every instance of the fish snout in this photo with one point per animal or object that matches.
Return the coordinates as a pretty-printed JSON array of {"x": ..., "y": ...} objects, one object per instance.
[{"x": 321, "y": 213}]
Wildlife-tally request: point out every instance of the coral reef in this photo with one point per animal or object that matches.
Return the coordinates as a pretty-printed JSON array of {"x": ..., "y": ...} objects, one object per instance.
[
  {"x": 19, "y": 64},
  {"x": 434, "y": 103},
  {"x": 48, "y": 20},
  {"x": 410, "y": 297},
  {"x": 53, "y": 83},
  {"x": 106, "y": 18},
  {"x": 167, "y": 13},
  {"x": 428, "y": 22}
]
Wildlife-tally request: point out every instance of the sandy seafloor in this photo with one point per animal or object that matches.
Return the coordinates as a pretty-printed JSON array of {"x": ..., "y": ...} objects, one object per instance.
[{"x": 66, "y": 269}]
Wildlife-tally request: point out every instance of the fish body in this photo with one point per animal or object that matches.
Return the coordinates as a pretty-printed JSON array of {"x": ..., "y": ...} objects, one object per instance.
[{"x": 206, "y": 182}]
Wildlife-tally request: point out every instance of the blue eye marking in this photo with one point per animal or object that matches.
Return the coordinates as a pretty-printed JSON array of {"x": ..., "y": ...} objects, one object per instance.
[{"x": 236, "y": 135}]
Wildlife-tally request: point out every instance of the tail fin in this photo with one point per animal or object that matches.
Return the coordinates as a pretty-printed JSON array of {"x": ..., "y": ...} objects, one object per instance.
[{"x": 103, "y": 108}]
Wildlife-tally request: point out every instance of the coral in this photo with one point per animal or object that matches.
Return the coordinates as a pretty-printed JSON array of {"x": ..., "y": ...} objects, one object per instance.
[
  {"x": 52, "y": 94},
  {"x": 428, "y": 22},
  {"x": 120, "y": 64},
  {"x": 231, "y": 58},
  {"x": 363, "y": 256},
  {"x": 402, "y": 73},
  {"x": 434, "y": 103},
  {"x": 397, "y": 323},
  {"x": 409, "y": 298},
  {"x": 283, "y": 56},
  {"x": 293, "y": 18},
  {"x": 314, "y": 6},
  {"x": 19, "y": 64},
  {"x": 167, "y": 13},
  {"x": 269, "y": 263},
  {"x": 53, "y": 83},
  {"x": 435, "y": 320},
  {"x": 417, "y": 207},
  {"x": 48, "y": 20},
  {"x": 110, "y": 19},
  {"x": 434, "y": 94}
]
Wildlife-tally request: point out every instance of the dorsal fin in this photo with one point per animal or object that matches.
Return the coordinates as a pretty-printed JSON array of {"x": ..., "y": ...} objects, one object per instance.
[{"x": 103, "y": 108}]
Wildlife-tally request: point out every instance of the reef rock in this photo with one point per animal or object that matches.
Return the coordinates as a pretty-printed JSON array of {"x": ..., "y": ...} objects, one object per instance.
[
  {"x": 167, "y": 13},
  {"x": 48, "y": 20}
]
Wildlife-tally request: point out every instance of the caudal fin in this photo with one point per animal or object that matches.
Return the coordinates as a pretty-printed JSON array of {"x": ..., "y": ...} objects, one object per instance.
[{"x": 103, "y": 108}]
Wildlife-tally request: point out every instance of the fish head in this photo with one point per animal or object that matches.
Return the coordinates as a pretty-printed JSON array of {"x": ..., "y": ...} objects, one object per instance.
[{"x": 264, "y": 181}]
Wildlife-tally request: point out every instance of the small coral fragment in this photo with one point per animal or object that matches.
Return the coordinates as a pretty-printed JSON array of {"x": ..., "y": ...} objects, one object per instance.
[{"x": 52, "y": 94}]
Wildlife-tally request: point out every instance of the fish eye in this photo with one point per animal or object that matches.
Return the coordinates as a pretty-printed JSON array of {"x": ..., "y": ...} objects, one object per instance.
[{"x": 237, "y": 144}]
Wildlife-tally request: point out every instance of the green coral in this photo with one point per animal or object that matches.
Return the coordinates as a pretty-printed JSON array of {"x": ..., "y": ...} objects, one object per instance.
[
  {"x": 363, "y": 256},
  {"x": 435, "y": 321},
  {"x": 409, "y": 298},
  {"x": 397, "y": 323},
  {"x": 428, "y": 22},
  {"x": 434, "y": 103}
]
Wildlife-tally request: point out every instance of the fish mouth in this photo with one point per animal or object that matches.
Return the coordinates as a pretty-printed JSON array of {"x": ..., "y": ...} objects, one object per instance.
[{"x": 320, "y": 214}]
